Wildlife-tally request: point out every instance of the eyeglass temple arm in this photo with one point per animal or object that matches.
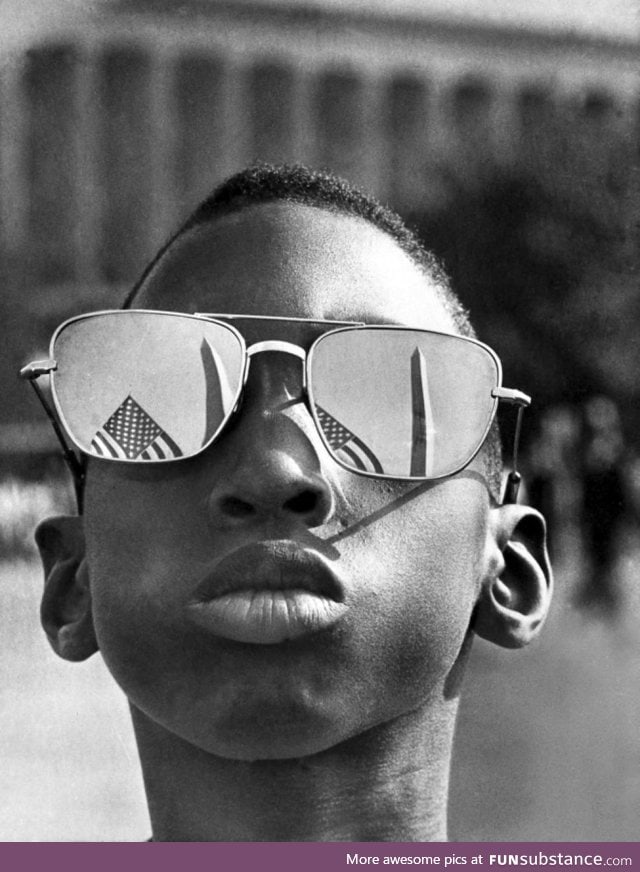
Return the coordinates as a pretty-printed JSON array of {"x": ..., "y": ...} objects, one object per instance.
[
  {"x": 522, "y": 401},
  {"x": 30, "y": 373}
]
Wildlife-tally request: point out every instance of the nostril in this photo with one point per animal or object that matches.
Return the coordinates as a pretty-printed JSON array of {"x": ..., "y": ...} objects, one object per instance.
[
  {"x": 303, "y": 503},
  {"x": 236, "y": 508}
]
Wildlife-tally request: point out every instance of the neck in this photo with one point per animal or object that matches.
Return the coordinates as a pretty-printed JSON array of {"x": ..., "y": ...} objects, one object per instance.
[{"x": 388, "y": 784}]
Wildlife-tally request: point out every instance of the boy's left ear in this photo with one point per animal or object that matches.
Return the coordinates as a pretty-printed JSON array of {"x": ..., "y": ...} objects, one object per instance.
[{"x": 516, "y": 590}]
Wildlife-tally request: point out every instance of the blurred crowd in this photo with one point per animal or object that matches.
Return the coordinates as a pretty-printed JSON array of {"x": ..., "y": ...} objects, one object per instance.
[{"x": 582, "y": 475}]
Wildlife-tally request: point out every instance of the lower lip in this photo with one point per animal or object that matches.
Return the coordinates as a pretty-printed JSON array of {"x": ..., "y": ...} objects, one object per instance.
[{"x": 266, "y": 617}]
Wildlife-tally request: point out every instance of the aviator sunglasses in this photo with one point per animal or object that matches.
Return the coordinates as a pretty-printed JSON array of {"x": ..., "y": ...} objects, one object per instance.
[{"x": 140, "y": 386}]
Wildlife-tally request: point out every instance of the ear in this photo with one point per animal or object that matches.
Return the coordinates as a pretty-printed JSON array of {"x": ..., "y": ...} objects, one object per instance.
[
  {"x": 516, "y": 591},
  {"x": 65, "y": 611}
]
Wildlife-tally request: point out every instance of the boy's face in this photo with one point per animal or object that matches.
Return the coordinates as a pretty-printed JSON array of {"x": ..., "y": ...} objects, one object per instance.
[{"x": 404, "y": 559}]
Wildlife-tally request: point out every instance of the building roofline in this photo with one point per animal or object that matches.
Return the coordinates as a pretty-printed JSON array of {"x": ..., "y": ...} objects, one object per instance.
[{"x": 309, "y": 14}]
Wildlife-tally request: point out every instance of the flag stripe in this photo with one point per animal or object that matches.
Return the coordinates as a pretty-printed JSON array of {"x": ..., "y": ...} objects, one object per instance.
[
  {"x": 96, "y": 446},
  {"x": 155, "y": 446},
  {"x": 355, "y": 460},
  {"x": 107, "y": 446},
  {"x": 368, "y": 453},
  {"x": 169, "y": 445}
]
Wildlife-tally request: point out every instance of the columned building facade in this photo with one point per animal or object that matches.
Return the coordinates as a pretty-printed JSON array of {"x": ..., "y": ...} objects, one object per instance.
[{"x": 112, "y": 130}]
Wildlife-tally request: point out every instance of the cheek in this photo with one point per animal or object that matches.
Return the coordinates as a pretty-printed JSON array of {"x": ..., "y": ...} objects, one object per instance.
[
  {"x": 418, "y": 576},
  {"x": 147, "y": 544},
  {"x": 130, "y": 619},
  {"x": 141, "y": 561}
]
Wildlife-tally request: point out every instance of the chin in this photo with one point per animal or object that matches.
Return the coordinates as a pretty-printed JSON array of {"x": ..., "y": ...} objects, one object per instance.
[{"x": 272, "y": 732}]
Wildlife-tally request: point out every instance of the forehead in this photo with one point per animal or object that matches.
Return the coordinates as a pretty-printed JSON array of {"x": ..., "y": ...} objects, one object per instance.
[{"x": 295, "y": 261}]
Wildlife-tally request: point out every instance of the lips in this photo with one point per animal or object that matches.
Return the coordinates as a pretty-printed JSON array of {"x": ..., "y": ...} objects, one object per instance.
[{"x": 267, "y": 593}]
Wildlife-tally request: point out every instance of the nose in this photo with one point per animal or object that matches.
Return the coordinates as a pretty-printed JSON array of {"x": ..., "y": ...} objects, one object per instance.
[{"x": 268, "y": 466}]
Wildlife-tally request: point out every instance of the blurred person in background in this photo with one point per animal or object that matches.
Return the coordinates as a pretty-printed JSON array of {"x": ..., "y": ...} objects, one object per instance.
[
  {"x": 293, "y": 522},
  {"x": 604, "y": 501},
  {"x": 553, "y": 473}
]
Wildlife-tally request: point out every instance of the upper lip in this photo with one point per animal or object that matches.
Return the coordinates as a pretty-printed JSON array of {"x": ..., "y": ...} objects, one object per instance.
[{"x": 273, "y": 565}]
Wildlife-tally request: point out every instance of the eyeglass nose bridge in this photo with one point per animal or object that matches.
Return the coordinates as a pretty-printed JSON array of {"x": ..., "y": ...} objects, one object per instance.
[
  {"x": 276, "y": 345},
  {"x": 282, "y": 347}
]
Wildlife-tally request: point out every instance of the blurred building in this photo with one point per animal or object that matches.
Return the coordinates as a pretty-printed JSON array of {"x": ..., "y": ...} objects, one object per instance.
[{"x": 112, "y": 127}]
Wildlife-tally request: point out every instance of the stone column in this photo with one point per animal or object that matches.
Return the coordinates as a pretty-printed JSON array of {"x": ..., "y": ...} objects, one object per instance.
[
  {"x": 88, "y": 193},
  {"x": 13, "y": 171}
]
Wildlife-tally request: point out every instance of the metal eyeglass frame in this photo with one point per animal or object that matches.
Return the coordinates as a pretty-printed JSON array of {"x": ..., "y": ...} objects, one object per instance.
[{"x": 77, "y": 466}]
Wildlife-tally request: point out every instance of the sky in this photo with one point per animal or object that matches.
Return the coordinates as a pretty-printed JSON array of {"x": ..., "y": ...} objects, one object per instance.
[{"x": 21, "y": 20}]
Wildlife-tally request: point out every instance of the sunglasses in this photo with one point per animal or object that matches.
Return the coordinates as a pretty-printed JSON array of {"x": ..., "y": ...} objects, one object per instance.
[{"x": 139, "y": 386}]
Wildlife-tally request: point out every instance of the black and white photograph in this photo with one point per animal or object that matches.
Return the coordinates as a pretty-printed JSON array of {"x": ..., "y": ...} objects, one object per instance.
[{"x": 319, "y": 432}]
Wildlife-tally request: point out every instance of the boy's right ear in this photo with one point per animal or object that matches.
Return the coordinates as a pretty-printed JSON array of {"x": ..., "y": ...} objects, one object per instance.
[{"x": 65, "y": 611}]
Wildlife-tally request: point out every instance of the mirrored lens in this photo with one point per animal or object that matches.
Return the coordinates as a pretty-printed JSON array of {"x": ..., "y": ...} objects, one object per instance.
[
  {"x": 402, "y": 403},
  {"x": 145, "y": 386}
]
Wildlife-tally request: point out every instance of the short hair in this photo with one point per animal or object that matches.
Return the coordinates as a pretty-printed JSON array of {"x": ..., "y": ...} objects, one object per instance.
[{"x": 267, "y": 183}]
